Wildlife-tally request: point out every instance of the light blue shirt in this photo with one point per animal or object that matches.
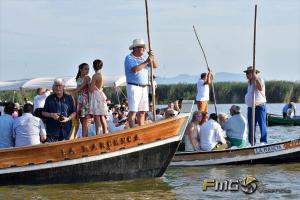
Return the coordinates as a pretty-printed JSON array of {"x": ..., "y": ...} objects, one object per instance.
[
  {"x": 6, "y": 131},
  {"x": 140, "y": 77},
  {"x": 27, "y": 130},
  {"x": 236, "y": 127}
]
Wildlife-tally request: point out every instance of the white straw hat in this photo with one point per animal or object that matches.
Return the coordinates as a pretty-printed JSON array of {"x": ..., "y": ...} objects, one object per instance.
[{"x": 137, "y": 43}]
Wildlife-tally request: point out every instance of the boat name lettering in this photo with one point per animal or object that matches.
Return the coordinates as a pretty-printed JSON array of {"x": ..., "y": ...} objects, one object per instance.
[
  {"x": 269, "y": 149},
  {"x": 107, "y": 145}
]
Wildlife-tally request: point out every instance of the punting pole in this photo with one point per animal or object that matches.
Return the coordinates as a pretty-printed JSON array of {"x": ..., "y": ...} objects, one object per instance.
[
  {"x": 212, "y": 82},
  {"x": 254, "y": 85},
  {"x": 151, "y": 69}
]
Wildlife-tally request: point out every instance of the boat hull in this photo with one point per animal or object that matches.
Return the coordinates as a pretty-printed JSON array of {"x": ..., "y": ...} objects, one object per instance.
[
  {"x": 284, "y": 152},
  {"x": 276, "y": 120},
  {"x": 147, "y": 163}
]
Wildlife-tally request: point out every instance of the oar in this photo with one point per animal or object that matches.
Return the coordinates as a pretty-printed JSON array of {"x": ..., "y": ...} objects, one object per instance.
[
  {"x": 151, "y": 69},
  {"x": 212, "y": 82},
  {"x": 254, "y": 85}
]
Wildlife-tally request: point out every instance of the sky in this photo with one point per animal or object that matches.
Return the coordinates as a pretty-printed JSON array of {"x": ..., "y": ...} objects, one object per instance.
[{"x": 50, "y": 38}]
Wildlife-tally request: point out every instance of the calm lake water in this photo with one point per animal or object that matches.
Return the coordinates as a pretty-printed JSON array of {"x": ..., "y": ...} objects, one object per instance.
[{"x": 183, "y": 182}]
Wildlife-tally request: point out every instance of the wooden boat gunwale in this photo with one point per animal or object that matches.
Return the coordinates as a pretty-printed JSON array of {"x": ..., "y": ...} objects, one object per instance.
[
  {"x": 77, "y": 146},
  {"x": 84, "y": 139}
]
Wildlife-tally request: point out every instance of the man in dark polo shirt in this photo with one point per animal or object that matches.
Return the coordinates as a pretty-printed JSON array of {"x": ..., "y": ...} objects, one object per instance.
[{"x": 59, "y": 110}]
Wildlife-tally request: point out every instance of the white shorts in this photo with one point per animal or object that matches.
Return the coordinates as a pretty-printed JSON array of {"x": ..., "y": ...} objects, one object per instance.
[{"x": 137, "y": 98}]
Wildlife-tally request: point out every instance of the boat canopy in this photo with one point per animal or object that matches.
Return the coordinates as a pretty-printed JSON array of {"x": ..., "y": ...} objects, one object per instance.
[{"x": 47, "y": 82}]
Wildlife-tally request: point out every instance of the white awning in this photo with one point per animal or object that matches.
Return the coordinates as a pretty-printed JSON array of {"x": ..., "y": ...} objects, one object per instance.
[{"x": 47, "y": 82}]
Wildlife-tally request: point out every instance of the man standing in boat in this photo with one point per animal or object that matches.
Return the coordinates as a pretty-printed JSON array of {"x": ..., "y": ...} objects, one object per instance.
[
  {"x": 260, "y": 104},
  {"x": 136, "y": 72},
  {"x": 202, "y": 97},
  {"x": 59, "y": 110}
]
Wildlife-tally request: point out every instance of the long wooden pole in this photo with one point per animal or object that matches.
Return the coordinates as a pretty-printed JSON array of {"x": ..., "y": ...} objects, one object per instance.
[
  {"x": 151, "y": 68},
  {"x": 254, "y": 85},
  {"x": 212, "y": 82}
]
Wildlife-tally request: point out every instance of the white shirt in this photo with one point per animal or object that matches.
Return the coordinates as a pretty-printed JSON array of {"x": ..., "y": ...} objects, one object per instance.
[
  {"x": 27, "y": 130},
  {"x": 210, "y": 134},
  {"x": 203, "y": 91},
  {"x": 39, "y": 100},
  {"x": 260, "y": 96},
  {"x": 236, "y": 127}
]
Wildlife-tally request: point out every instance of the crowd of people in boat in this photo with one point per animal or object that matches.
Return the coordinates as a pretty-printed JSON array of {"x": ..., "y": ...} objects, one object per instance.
[
  {"x": 24, "y": 125},
  {"x": 216, "y": 132}
]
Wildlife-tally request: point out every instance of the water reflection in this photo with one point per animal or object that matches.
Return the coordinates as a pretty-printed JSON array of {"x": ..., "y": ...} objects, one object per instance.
[
  {"x": 188, "y": 180},
  {"x": 134, "y": 189}
]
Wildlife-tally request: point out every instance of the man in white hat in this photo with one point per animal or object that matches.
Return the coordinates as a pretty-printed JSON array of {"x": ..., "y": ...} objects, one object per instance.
[
  {"x": 260, "y": 104},
  {"x": 136, "y": 71}
]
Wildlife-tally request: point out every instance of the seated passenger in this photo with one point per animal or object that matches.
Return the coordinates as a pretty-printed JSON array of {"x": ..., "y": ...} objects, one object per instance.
[
  {"x": 289, "y": 110},
  {"x": 6, "y": 126},
  {"x": 236, "y": 127},
  {"x": 191, "y": 139},
  {"x": 171, "y": 106},
  {"x": 223, "y": 117},
  {"x": 158, "y": 115},
  {"x": 28, "y": 129},
  {"x": 170, "y": 113},
  {"x": 121, "y": 125},
  {"x": 211, "y": 135}
]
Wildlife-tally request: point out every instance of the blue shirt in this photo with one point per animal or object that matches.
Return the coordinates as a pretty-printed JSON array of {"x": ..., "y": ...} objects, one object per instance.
[
  {"x": 236, "y": 127},
  {"x": 63, "y": 105},
  {"x": 27, "y": 130},
  {"x": 6, "y": 131},
  {"x": 140, "y": 77}
]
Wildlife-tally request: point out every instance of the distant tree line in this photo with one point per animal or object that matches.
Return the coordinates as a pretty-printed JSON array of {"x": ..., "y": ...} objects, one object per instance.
[{"x": 226, "y": 92}]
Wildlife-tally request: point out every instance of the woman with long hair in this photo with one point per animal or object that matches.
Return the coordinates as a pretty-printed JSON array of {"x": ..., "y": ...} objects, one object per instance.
[
  {"x": 83, "y": 83},
  {"x": 191, "y": 139}
]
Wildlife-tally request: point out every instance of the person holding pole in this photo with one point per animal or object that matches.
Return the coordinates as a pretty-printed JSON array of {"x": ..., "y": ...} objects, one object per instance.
[
  {"x": 257, "y": 84},
  {"x": 202, "y": 97},
  {"x": 136, "y": 72}
]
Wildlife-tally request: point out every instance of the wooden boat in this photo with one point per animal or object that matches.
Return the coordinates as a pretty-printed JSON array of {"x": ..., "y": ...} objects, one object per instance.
[
  {"x": 140, "y": 152},
  {"x": 278, "y": 120},
  {"x": 281, "y": 152}
]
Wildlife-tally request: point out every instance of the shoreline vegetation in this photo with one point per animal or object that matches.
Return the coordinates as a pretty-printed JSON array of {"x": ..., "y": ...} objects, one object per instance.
[{"x": 226, "y": 92}]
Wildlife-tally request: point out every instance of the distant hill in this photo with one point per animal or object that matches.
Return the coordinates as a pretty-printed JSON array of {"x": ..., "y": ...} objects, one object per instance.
[{"x": 185, "y": 78}]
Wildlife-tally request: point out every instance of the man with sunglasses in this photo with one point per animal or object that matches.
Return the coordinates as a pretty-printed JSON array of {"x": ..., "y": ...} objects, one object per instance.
[{"x": 260, "y": 103}]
